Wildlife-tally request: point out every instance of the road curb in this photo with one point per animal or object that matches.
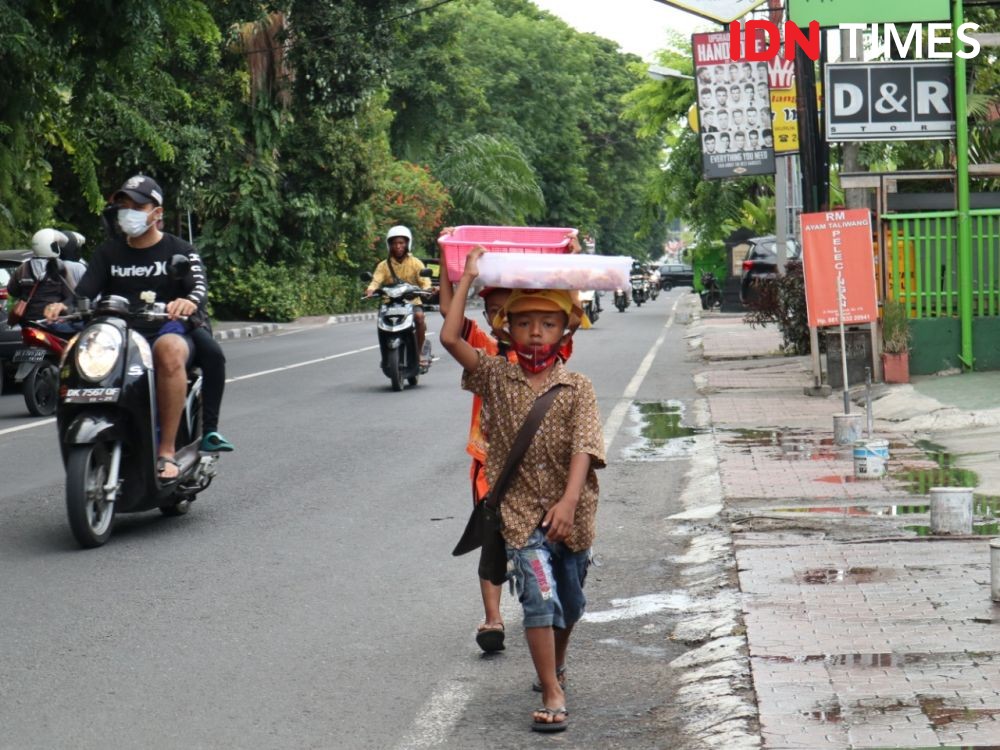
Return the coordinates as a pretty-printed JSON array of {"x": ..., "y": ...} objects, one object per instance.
[
  {"x": 246, "y": 332},
  {"x": 351, "y": 318}
]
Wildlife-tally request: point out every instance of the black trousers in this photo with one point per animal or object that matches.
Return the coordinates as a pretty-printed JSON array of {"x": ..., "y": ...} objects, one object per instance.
[{"x": 209, "y": 357}]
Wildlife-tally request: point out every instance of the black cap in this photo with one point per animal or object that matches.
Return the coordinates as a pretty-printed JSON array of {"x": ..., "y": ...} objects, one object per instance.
[{"x": 141, "y": 189}]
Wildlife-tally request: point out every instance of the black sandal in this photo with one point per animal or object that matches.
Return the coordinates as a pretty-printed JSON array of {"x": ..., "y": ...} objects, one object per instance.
[
  {"x": 551, "y": 726},
  {"x": 490, "y": 638}
]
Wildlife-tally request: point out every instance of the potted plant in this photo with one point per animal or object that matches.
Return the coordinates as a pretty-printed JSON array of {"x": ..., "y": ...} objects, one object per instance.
[{"x": 895, "y": 342}]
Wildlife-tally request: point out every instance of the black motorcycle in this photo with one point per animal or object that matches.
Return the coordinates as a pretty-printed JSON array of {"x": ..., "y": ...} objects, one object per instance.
[
  {"x": 711, "y": 293},
  {"x": 107, "y": 423},
  {"x": 640, "y": 288},
  {"x": 621, "y": 299},
  {"x": 397, "y": 332}
]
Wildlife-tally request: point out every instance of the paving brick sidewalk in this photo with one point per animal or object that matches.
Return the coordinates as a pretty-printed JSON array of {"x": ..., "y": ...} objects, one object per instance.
[{"x": 856, "y": 638}]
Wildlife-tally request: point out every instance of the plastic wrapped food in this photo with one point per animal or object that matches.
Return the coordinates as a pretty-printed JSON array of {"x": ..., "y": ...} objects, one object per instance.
[
  {"x": 532, "y": 271},
  {"x": 498, "y": 239}
]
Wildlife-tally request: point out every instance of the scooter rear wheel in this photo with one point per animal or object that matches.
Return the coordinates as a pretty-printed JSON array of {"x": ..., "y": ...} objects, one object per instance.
[
  {"x": 90, "y": 517},
  {"x": 41, "y": 390}
]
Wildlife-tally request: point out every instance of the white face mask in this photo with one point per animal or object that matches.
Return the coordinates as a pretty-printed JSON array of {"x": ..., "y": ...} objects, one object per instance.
[{"x": 133, "y": 223}]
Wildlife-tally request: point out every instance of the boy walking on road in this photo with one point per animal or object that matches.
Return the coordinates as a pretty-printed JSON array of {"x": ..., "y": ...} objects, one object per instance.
[{"x": 548, "y": 512}]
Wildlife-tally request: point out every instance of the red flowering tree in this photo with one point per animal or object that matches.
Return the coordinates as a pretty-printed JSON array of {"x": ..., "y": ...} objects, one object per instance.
[{"x": 409, "y": 195}]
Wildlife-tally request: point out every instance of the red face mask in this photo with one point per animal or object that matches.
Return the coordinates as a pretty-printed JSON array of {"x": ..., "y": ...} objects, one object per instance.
[{"x": 534, "y": 357}]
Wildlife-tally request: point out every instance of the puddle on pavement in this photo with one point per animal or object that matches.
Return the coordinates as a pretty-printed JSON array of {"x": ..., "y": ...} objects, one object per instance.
[
  {"x": 661, "y": 432},
  {"x": 941, "y": 715},
  {"x": 982, "y": 507},
  {"x": 792, "y": 445},
  {"x": 945, "y": 474},
  {"x": 991, "y": 528},
  {"x": 828, "y": 713},
  {"x": 850, "y": 660},
  {"x": 827, "y": 576},
  {"x": 857, "y": 510}
]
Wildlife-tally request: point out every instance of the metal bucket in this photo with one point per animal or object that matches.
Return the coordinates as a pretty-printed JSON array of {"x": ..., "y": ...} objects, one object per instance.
[
  {"x": 847, "y": 428},
  {"x": 951, "y": 510},
  {"x": 870, "y": 459}
]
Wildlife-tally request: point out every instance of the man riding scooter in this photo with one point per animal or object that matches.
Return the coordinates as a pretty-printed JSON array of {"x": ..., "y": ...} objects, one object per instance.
[
  {"x": 137, "y": 261},
  {"x": 399, "y": 266}
]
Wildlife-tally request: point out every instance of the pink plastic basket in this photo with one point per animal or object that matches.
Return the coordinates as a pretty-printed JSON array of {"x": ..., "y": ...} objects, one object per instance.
[{"x": 457, "y": 245}]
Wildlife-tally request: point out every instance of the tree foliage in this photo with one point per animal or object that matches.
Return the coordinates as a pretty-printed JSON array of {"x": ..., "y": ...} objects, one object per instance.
[{"x": 288, "y": 135}]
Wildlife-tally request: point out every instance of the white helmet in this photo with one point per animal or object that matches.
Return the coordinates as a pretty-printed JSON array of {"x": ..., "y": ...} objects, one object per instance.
[
  {"x": 46, "y": 243},
  {"x": 399, "y": 231}
]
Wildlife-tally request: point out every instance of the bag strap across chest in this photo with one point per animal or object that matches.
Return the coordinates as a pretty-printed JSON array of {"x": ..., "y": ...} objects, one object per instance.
[{"x": 521, "y": 443}]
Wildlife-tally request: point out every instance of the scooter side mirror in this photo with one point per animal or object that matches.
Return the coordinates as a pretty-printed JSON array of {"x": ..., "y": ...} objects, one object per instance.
[
  {"x": 366, "y": 276},
  {"x": 180, "y": 266}
]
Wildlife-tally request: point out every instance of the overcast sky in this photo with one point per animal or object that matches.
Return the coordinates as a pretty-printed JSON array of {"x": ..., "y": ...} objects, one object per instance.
[{"x": 639, "y": 26}]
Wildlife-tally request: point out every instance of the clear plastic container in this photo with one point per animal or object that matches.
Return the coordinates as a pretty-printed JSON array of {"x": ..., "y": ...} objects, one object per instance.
[
  {"x": 497, "y": 239},
  {"x": 534, "y": 271}
]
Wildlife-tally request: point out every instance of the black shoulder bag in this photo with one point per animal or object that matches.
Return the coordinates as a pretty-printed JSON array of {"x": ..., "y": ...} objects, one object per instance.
[{"x": 483, "y": 527}]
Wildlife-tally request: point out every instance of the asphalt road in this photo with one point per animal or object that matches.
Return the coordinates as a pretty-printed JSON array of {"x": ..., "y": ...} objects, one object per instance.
[{"x": 309, "y": 599}]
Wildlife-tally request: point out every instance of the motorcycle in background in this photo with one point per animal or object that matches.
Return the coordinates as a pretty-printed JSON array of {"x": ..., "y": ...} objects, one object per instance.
[
  {"x": 107, "y": 421},
  {"x": 591, "y": 303},
  {"x": 38, "y": 366},
  {"x": 711, "y": 293},
  {"x": 640, "y": 288},
  {"x": 397, "y": 331},
  {"x": 654, "y": 282},
  {"x": 621, "y": 299}
]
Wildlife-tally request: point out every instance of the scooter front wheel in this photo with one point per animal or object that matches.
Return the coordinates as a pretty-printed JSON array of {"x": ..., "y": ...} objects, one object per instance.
[
  {"x": 41, "y": 390},
  {"x": 90, "y": 515},
  {"x": 393, "y": 369}
]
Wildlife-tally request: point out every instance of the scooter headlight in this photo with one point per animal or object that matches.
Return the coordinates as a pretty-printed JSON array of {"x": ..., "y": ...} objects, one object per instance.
[{"x": 97, "y": 351}]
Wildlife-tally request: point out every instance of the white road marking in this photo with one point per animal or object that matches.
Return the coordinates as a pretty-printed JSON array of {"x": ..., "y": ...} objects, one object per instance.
[
  {"x": 301, "y": 364},
  {"x": 28, "y": 426},
  {"x": 617, "y": 416},
  {"x": 438, "y": 716}
]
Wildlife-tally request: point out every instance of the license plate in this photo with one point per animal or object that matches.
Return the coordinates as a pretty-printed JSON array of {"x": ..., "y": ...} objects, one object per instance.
[
  {"x": 91, "y": 395},
  {"x": 29, "y": 355}
]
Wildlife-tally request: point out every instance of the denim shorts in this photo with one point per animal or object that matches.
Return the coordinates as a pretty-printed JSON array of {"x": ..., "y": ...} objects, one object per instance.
[{"x": 549, "y": 578}]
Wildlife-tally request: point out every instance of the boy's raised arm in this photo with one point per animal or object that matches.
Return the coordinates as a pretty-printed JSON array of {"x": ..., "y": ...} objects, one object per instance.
[
  {"x": 451, "y": 331},
  {"x": 446, "y": 290}
]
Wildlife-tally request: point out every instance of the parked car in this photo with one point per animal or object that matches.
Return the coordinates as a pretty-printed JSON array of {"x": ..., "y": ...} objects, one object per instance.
[
  {"x": 675, "y": 274},
  {"x": 761, "y": 263},
  {"x": 10, "y": 336}
]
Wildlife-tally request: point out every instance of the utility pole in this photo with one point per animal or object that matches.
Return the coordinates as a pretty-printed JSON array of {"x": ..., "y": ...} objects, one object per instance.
[{"x": 962, "y": 189}]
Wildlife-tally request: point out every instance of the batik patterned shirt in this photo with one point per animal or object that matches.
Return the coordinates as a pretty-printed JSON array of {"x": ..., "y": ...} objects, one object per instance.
[{"x": 572, "y": 425}]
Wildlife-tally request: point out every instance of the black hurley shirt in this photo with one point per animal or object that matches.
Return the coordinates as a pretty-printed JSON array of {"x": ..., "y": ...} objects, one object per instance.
[{"x": 116, "y": 268}]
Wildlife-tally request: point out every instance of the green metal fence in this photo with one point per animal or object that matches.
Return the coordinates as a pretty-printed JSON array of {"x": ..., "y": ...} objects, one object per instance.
[{"x": 921, "y": 262}]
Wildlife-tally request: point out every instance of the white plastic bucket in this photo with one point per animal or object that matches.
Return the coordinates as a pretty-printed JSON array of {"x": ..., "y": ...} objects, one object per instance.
[
  {"x": 870, "y": 459},
  {"x": 847, "y": 428},
  {"x": 951, "y": 510}
]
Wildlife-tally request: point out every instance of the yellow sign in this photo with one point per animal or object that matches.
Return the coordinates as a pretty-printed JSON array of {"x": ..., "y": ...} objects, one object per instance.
[{"x": 785, "y": 119}]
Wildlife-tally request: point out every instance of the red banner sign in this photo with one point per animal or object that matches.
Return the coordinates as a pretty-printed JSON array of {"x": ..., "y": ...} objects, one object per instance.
[{"x": 839, "y": 267}]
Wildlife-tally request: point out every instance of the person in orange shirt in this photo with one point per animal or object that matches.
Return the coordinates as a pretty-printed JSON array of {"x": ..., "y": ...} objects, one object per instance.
[{"x": 490, "y": 633}]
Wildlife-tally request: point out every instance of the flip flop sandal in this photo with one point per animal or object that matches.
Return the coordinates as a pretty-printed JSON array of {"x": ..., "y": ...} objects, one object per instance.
[
  {"x": 161, "y": 464},
  {"x": 560, "y": 675},
  {"x": 490, "y": 639},
  {"x": 551, "y": 726}
]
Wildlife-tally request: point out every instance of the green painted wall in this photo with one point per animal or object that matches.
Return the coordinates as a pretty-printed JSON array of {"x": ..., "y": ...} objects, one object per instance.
[{"x": 936, "y": 344}]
